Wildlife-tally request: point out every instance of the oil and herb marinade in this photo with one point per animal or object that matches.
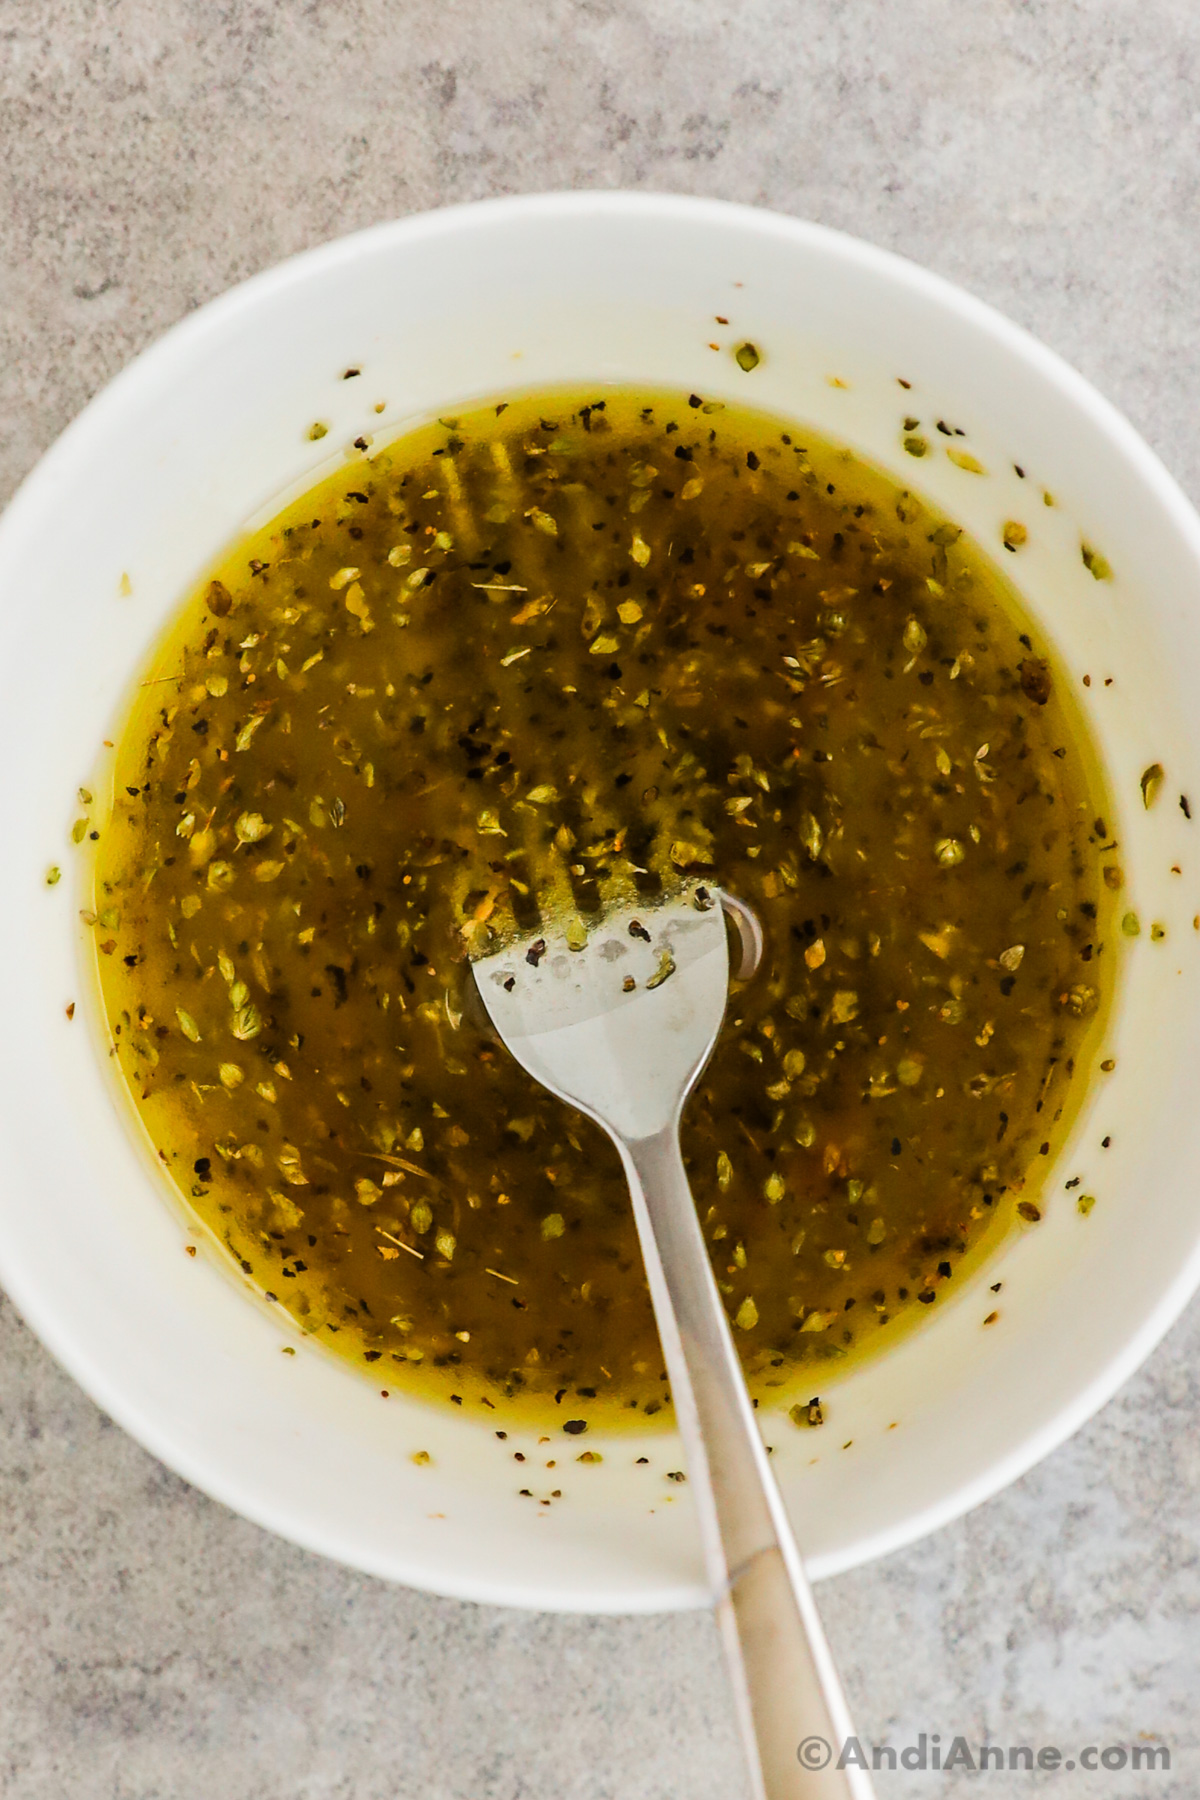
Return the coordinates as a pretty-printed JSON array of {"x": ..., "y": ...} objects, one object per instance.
[{"x": 546, "y": 655}]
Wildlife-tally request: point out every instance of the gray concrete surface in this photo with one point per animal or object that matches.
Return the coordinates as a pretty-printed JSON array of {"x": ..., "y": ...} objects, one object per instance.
[{"x": 1045, "y": 154}]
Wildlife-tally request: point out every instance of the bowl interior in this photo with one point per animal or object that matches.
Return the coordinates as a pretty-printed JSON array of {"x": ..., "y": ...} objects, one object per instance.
[{"x": 207, "y": 430}]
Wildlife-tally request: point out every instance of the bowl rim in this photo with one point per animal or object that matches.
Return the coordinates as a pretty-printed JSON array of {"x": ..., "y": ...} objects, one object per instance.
[{"x": 150, "y": 372}]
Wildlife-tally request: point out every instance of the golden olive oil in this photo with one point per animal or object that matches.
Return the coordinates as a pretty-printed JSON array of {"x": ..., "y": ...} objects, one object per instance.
[{"x": 558, "y": 652}]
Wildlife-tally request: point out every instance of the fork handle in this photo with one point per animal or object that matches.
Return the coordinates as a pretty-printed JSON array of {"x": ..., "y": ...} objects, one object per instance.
[{"x": 791, "y": 1709}]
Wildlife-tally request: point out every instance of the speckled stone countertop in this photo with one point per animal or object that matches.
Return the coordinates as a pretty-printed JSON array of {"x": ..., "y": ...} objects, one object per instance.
[{"x": 1046, "y": 154}]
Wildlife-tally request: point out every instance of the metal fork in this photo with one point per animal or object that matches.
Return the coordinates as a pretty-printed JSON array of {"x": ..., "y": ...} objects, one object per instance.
[{"x": 621, "y": 1029}]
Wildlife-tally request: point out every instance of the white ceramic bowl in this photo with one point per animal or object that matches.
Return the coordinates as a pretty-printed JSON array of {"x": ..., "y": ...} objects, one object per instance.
[{"x": 205, "y": 431}]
